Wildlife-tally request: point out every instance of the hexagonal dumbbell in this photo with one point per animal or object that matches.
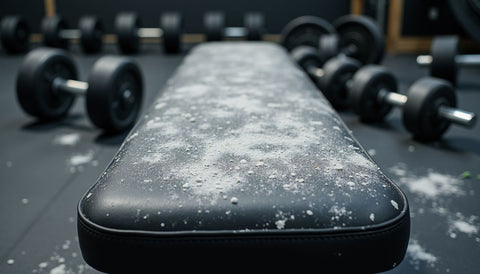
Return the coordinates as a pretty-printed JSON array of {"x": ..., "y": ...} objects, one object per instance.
[
  {"x": 14, "y": 34},
  {"x": 444, "y": 59},
  {"x": 47, "y": 85},
  {"x": 215, "y": 30},
  {"x": 356, "y": 36},
  {"x": 56, "y": 33},
  {"x": 428, "y": 110},
  {"x": 129, "y": 31}
]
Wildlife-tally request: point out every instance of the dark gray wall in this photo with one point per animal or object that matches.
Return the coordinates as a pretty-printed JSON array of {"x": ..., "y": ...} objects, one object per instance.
[
  {"x": 416, "y": 21},
  {"x": 278, "y": 12}
]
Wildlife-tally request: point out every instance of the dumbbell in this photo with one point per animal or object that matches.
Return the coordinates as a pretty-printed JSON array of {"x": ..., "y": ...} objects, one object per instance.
[
  {"x": 330, "y": 76},
  {"x": 444, "y": 59},
  {"x": 301, "y": 37},
  {"x": 253, "y": 29},
  {"x": 14, "y": 34},
  {"x": 427, "y": 110},
  {"x": 129, "y": 31},
  {"x": 305, "y": 31},
  {"x": 356, "y": 36},
  {"x": 47, "y": 85},
  {"x": 57, "y": 34}
]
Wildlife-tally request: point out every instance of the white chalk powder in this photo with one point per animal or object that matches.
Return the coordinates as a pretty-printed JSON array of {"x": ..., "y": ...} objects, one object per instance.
[
  {"x": 417, "y": 254},
  {"x": 465, "y": 227},
  {"x": 81, "y": 159},
  {"x": 60, "y": 269},
  {"x": 431, "y": 185},
  {"x": 69, "y": 139},
  {"x": 458, "y": 223},
  {"x": 263, "y": 137}
]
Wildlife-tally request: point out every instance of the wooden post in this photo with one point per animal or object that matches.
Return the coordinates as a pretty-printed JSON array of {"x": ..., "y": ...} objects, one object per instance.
[
  {"x": 50, "y": 8},
  {"x": 394, "y": 32},
  {"x": 356, "y": 6}
]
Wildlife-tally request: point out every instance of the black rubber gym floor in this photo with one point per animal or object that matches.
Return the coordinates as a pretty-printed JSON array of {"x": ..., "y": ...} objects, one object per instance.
[{"x": 46, "y": 168}]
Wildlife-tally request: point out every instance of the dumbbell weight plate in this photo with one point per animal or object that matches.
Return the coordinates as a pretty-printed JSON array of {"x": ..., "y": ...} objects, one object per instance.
[
  {"x": 51, "y": 28},
  {"x": 329, "y": 45},
  {"x": 214, "y": 24},
  {"x": 364, "y": 90},
  {"x": 126, "y": 26},
  {"x": 420, "y": 111},
  {"x": 337, "y": 71},
  {"x": 254, "y": 23},
  {"x": 307, "y": 56},
  {"x": 172, "y": 25},
  {"x": 115, "y": 91},
  {"x": 360, "y": 38},
  {"x": 444, "y": 49},
  {"x": 91, "y": 29},
  {"x": 35, "y": 91},
  {"x": 305, "y": 30},
  {"x": 14, "y": 34}
]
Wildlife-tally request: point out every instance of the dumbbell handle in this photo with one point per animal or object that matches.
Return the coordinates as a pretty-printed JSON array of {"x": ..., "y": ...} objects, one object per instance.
[
  {"x": 80, "y": 88},
  {"x": 454, "y": 115},
  {"x": 150, "y": 32},
  {"x": 464, "y": 60},
  {"x": 70, "y": 86},
  {"x": 315, "y": 71},
  {"x": 235, "y": 32},
  {"x": 70, "y": 34}
]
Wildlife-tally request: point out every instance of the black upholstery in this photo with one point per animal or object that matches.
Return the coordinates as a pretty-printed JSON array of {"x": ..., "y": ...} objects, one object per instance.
[{"x": 242, "y": 161}]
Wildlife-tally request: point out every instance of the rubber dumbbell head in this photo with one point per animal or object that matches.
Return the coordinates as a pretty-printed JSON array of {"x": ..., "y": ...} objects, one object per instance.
[
  {"x": 305, "y": 30},
  {"x": 309, "y": 59},
  {"x": 360, "y": 38},
  {"x": 420, "y": 112},
  {"x": 172, "y": 24},
  {"x": 127, "y": 25},
  {"x": 337, "y": 73},
  {"x": 35, "y": 91},
  {"x": 364, "y": 91},
  {"x": 329, "y": 45},
  {"x": 92, "y": 30},
  {"x": 14, "y": 34},
  {"x": 331, "y": 77},
  {"x": 115, "y": 92},
  {"x": 214, "y": 23},
  {"x": 51, "y": 28},
  {"x": 254, "y": 23}
]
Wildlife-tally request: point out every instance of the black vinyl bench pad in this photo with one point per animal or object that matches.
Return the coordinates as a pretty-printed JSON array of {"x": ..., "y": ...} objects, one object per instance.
[{"x": 241, "y": 154}]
